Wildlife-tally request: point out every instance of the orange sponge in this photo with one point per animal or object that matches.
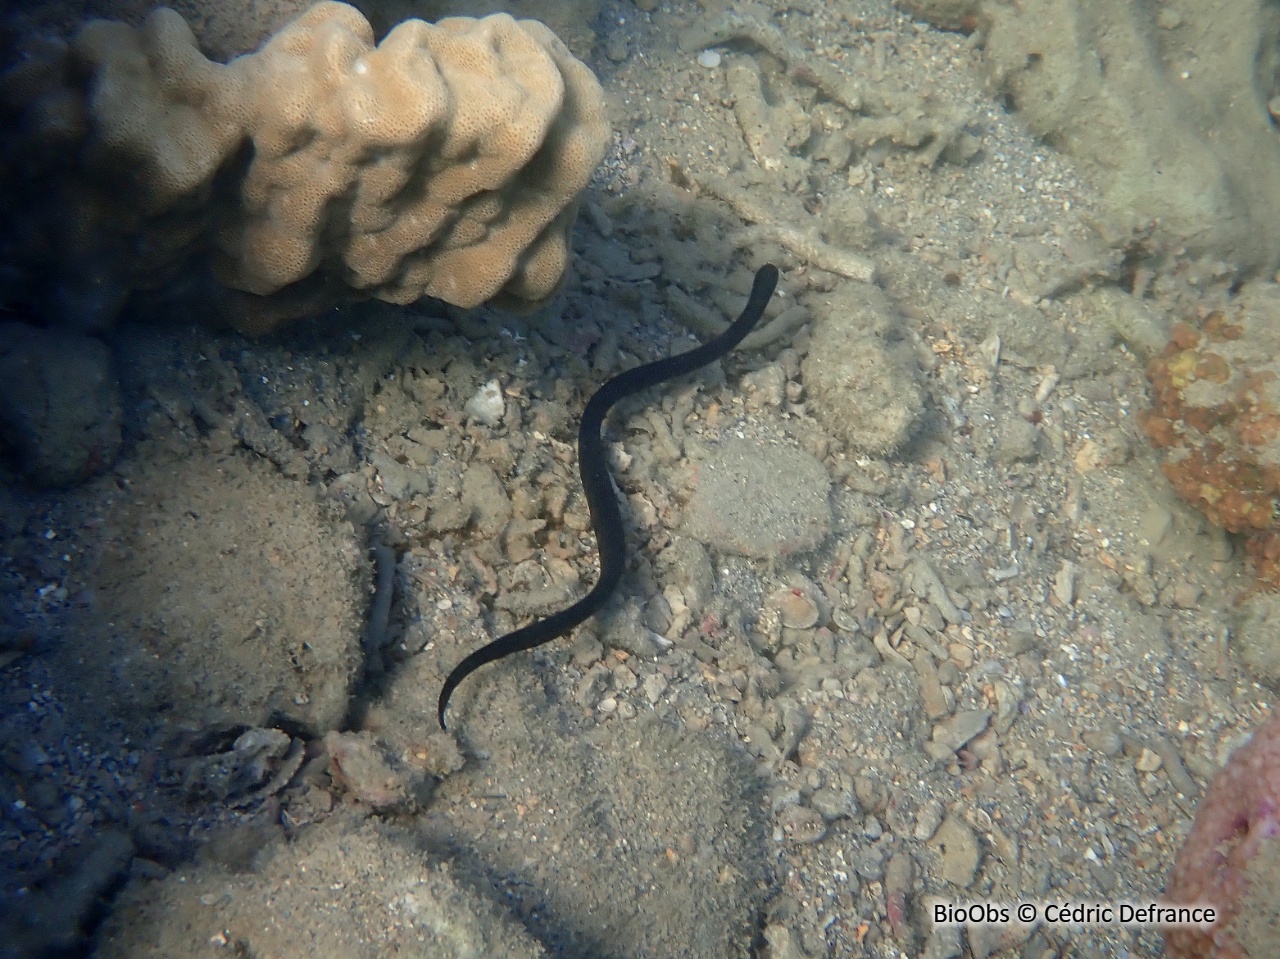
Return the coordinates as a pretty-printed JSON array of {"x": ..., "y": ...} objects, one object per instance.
[{"x": 1216, "y": 413}]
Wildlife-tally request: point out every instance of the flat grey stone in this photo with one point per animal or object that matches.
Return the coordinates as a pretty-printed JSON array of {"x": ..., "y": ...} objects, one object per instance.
[{"x": 757, "y": 500}]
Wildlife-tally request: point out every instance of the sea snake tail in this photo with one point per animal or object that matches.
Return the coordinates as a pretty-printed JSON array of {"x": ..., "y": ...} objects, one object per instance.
[{"x": 606, "y": 517}]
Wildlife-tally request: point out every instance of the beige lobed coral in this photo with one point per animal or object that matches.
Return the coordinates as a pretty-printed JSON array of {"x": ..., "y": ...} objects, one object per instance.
[{"x": 445, "y": 161}]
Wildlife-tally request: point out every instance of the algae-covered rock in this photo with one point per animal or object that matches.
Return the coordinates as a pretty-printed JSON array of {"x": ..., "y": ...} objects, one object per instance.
[
  {"x": 223, "y": 595},
  {"x": 861, "y": 374},
  {"x": 343, "y": 888},
  {"x": 60, "y": 404},
  {"x": 1166, "y": 104}
]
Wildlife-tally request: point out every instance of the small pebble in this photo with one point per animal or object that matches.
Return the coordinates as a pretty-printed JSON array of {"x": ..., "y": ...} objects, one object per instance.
[
  {"x": 961, "y": 655},
  {"x": 586, "y": 650},
  {"x": 783, "y": 941},
  {"x": 624, "y": 679},
  {"x": 832, "y": 804},
  {"x": 960, "y": 850},
  {"x": 796, "y": 606},
  {"x": 487, "y": 405},
  {"x": 928, "y": 819},
  {"x": 1186, "y": 595},
  {"x": 654, "y": 684},
  {"x": 1064, "y": 584},
  {"x": 801, "y": 824},
  {"x": 591, "y": 685},
  {"x": 1106, "y": 741},
  {"x": 955, "y": 732},
  {"x": 765, "y": 388},
  {"x": 1148, "y": 761},
  {"x": 709, "y": 59},
  {"x": 359, "y": 764},
  {"x": 616, "y": 49}
]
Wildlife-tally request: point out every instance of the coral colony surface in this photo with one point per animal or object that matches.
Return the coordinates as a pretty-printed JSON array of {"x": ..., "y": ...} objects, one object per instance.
[{"x": 445, "y": 161}]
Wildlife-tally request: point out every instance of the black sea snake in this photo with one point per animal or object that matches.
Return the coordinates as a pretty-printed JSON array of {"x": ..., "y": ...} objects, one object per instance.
[{"x": 606, "y": 517}]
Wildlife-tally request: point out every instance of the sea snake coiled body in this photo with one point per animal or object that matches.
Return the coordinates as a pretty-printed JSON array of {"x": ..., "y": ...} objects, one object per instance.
[{"x": 606, "y": 517}]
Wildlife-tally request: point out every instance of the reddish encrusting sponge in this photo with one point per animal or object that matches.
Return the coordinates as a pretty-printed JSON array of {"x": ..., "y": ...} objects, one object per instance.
[{"x": 1232, "y": 858}]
